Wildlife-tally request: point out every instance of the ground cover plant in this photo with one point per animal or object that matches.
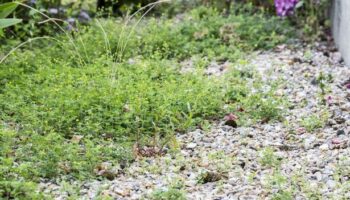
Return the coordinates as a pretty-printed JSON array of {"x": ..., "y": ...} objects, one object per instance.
[{"x": 70, "y": 103}]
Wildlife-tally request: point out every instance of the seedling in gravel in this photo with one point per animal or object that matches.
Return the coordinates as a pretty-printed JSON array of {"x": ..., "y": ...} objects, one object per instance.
[
  {"x": 168, "y": 194},
  {"x": 299, "y": 182},
  {"x": 71, "y": 190},
  {"x": 308, "y": 55},
  {"x": 278, "y": 184},
  {"x": 342, "y": 172},
  {"x": 205, "y": 125},
  {"x": 315, "y": 121},
  {"x": 220, "y": 161},
  {"x": 269, "y": 159},
  {"x": 283, "y": 195},
  {"x": 323, "y": 82},
  {"x": 209, "y": 176},
  {"x": 176, "y": 182},
  {"x": 251, "y": 177}
]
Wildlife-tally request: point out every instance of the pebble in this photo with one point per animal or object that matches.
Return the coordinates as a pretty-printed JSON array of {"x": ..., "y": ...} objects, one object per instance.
[
  {"x": 331, "y": 184},
  {"x": 191, "y": 145},
  {"x": 324, "y": 147},
  {"x": 340, "y": 132}
]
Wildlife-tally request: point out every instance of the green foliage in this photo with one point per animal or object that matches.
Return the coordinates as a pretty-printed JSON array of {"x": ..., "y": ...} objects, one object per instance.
[
  {"x": 51, "y": 155},
  {"x": 315, "y": 121},
  {"x": 5, "y": 10},
  {"x": 19, "y": 190},
  {"x": 268, "y": 158},
  {"x": 283, "y": 195},
  {"x": 257, "y": 103},
  {"x": 205, "y": 28},
  {"x": 170, "y": 194},
  {"x": 195, "y": 34},
  {"x": 70, "y": 103},
  {"x": 313, "y": 17},
  {"x": 322, "y": 80},
  {"x": 89, "y": 102}
]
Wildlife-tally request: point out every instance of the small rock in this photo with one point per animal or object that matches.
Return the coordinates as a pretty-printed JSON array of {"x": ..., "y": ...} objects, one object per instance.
[
  {"x": 191, "y": 145},
  {"x": 332, "y": 122},
  {"x": 347, "y": 86},
  {"x": 84, "y": 17},
  {"x": 336, "y": 141},
  {"x": 340, "y": 132},
  {"x": 121, "y": 192},
  {"x": 318, "y": 176},
  {"x": 314, "y": 81},
  {"x": 308, "y": 143},
  {"x": 331, "y": 184},
  {"x": 53, "y": 11},
  {"x": 336, "y": 57},
  {"x": 324, "y": 147}
]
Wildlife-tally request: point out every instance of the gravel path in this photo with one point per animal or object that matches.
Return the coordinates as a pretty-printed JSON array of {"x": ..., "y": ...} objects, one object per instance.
[{"x": 264, "y": 160}]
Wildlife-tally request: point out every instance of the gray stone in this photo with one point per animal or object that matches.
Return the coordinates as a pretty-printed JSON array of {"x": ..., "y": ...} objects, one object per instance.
[
  {"x": 331, "y": 184},
  {"x": 191, "y": 145},
  {"x": 324, "y": 147}
]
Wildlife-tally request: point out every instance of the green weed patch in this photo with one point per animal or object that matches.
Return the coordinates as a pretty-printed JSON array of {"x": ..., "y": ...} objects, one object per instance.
[{"x": 68, "y": 106}]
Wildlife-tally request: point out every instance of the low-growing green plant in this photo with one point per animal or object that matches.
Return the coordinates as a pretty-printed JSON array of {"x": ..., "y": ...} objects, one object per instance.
[
  {"x": 315, "y": 121},
  {"x": 169, "y": 194},
  {"x": 313, "y": 17},
  {"x": 221, "y": 162},
  {"x": 19, "y": 190},
  {"x": 71, "y": 103},
  {"x": 283, "y": 195},
  {"x": 196, "y": 34},
  {"x": 255, "y": 103},
  {"x": 269, "y": 159},
  {"x": 300, "y": 182}
]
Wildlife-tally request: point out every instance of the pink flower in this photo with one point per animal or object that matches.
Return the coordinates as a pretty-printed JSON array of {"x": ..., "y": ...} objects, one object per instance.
[{"x": 285, "y": 7}]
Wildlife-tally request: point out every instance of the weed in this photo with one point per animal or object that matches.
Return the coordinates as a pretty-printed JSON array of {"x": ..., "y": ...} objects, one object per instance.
[
  {"x": 283, "y": 195},
  {"x": 220, "y": 161},
  {"x": 209, "y": 176},
  {"x": 110, "y": 94},
  {"x": 315, "y": 121},
  {"x": 321, "y": 79},
  {"x": 19, "y": 190},
  {"x": 269, "y": 159},
  {"x": 169, "y": 194}
]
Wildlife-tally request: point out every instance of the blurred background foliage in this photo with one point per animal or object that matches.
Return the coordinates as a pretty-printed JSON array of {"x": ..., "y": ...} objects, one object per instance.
[{"x": 310, "y": 16}]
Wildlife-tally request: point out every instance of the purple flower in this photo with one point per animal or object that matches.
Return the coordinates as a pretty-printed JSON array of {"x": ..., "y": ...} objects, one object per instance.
[{"x": 285, "y": 7}]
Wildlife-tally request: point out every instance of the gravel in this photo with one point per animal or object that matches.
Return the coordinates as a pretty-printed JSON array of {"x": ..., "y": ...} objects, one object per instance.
[{"x": 313, "y": 163}]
